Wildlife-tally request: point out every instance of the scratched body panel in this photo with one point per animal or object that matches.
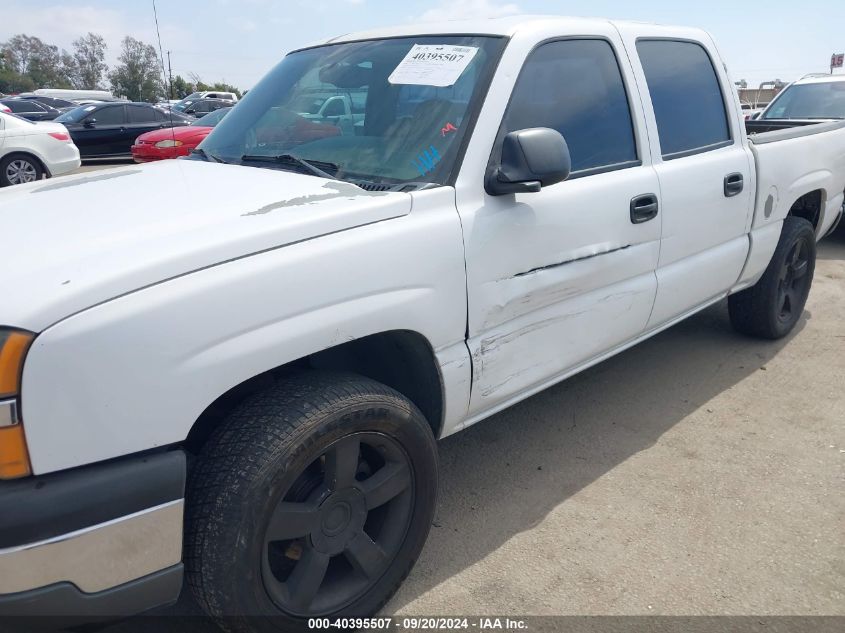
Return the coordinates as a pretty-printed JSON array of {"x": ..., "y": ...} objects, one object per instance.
[{"x": 557, "y": 277}]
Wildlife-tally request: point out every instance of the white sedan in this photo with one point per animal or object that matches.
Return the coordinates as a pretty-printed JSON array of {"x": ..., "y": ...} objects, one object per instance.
[{"x": 31, "y": 151}]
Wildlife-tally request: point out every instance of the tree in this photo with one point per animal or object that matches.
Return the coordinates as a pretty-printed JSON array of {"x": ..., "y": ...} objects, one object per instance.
[
  {"x": 10, "y": 80},
  {"x": 89, "y": 53},
  {"x": 222, "y": 86},
  {"x": 18, "y": 52},
  {"x": 200, "y": 86},
  {"x": 35, "y": 63},
  {"x": 137, "y": 77},
  {"x": 181, "y": 88}
]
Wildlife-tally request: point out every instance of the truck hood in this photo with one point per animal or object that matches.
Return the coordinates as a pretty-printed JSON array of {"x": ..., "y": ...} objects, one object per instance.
[{"x": 72, "y": 243}]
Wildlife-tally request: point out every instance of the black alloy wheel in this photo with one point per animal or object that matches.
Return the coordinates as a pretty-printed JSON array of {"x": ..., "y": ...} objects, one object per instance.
[
  {"x": 794, "y": 280},
  {"x": 772, "y": 307},
  {"x": 312, "y": 498},
  {"x": 338, "y": 526}
]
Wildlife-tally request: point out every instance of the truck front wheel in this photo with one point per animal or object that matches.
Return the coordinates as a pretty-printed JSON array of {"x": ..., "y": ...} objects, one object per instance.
[
  {"x": 771, "y": 308},
  {"x": 312, "y": 499}
]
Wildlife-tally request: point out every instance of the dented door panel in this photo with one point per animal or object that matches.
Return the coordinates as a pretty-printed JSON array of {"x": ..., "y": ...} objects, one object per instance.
[{"x": 556, "y": 278}]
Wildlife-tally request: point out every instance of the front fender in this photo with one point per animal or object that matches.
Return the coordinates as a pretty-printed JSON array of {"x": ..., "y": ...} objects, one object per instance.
[{"x": 136, "y": 372}]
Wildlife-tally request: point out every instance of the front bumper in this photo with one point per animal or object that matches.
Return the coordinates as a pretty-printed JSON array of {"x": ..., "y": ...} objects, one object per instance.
[
  {"x": 103, "y": 540},
  {"x": 146, "y": 153}
]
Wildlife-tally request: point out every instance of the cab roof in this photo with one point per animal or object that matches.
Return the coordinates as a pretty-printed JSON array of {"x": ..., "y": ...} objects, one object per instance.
[
  {"x": 821, "y": 78},
  {"x": 503, "y": 26}
]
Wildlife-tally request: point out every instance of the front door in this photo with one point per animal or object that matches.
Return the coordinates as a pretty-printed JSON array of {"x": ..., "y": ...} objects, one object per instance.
[
  {"x": 560, "y": 277},
  {"x": 99, "y": 131}
]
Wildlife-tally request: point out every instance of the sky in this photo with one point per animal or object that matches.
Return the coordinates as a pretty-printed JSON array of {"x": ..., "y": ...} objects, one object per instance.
[{"x": 238, "y": 41}]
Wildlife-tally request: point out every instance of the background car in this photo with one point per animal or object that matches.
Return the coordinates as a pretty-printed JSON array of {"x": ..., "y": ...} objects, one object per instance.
[
  {"x": 212, "y": 94},
  {"x": 175, "y": 142},
  {"x": 54, "y": 102},
  {"x": 750, "y": 111},
  {"x": 200, "y": 107},
  {"x": 812, "y": 97},
  {"x": 29, "y": 151},
  {"x": 107, "y": 130},
  {"x": 31, "y": 110}
]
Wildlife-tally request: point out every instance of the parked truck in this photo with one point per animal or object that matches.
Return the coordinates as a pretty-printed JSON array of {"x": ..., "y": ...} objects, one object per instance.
[{"x": 245, "y": 383}]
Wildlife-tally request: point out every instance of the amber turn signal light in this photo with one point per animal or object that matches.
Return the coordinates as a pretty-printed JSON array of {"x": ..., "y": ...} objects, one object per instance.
[
  {"x": 14, "y": 459},
  {"x": 13, "y": 347}
]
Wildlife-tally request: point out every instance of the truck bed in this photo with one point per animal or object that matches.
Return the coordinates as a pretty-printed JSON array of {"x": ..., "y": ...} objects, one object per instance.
[
  {"x": 759, "y": 130},
  {"x": 796, "y": 159}
]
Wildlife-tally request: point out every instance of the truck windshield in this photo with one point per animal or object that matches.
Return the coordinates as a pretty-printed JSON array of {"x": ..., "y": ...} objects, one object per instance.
[
  {"x": 809, "y": 101},
  {"x": 382, "y": 111}
]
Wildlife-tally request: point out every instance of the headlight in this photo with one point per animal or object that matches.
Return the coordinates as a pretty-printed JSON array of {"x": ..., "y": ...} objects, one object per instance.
[
  {"x": 14, "y": 459},
  {"x": 169, "y": 143}
]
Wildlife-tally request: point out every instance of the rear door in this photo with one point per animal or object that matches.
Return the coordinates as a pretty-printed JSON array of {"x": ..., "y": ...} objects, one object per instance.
[
  {"x": 141, "y": 119},
  {"x": 703, "y": 164}
]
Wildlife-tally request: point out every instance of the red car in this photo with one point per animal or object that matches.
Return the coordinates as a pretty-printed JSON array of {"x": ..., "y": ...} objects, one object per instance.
[{"x": 177, "y": 141}]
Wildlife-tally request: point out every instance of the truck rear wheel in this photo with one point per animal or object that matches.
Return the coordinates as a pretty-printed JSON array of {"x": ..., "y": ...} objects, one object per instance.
[
  {"x": 313, "y": 499},
  {"x": 771, "y": 308}
]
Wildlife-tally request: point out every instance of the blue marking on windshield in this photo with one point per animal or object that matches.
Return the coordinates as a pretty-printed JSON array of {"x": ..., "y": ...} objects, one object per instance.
[{"x": 426, "y": 161}]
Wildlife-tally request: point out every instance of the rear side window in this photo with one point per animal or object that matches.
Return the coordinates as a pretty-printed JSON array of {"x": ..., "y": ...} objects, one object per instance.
[
  {"x": 576, "y": 88},
  {"x": 22, "y": 105},
  {"x": 687, "y": 99},
  {"x": 141, "y": 114},
  {"x": 110, "y": 115}
]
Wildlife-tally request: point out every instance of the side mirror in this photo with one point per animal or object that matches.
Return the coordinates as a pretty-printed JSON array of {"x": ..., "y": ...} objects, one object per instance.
[
  {"x": 190, "y": 111},
  {"x": 91, "y": 123},
  {"x": 531, "y": 159}
]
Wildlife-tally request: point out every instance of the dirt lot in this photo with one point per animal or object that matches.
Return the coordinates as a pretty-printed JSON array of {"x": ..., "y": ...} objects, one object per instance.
[{"x": 698, "y": 473}]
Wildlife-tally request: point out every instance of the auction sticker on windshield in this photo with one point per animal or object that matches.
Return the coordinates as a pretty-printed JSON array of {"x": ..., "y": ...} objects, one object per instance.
[{"x": 437, "y": 65}]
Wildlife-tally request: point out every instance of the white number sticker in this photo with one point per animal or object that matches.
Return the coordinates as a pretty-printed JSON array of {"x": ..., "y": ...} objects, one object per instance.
[{"x": 433, "y": 65}]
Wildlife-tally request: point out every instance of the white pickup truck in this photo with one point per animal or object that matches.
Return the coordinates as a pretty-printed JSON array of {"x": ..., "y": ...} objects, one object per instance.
[{"x": 244, "y": 381}]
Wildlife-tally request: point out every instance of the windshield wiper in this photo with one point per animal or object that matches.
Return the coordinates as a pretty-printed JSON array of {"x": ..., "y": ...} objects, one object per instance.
[
  {"x": 308, "y": 166},
  {"x": 207, "y": 156}
]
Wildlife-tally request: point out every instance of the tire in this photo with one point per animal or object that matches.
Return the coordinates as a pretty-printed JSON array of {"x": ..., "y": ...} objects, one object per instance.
[
  {"x": 17, "y": 169},
  {"x": 289, "y": 495},
  {"x": 772, "y": 307}
]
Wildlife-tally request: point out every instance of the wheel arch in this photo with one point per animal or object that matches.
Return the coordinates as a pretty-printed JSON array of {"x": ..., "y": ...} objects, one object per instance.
[
  {"x": 809, "y": 206},
  {"x": 401, "y": 359},
  {"x": 29, "y": 153}
]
